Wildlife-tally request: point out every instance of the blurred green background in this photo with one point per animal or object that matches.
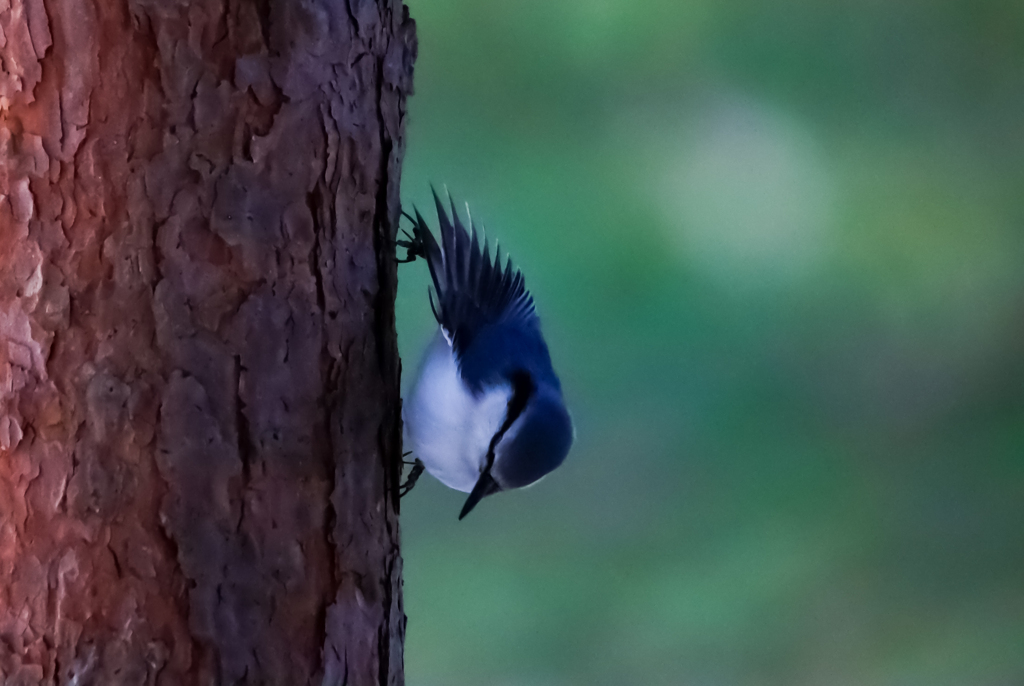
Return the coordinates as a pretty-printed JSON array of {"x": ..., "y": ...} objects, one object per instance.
[{"x": 778, "y": 253}]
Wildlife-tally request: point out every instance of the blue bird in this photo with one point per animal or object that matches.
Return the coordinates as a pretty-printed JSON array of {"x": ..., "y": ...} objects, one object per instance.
[{"x": 486, "y": 412}]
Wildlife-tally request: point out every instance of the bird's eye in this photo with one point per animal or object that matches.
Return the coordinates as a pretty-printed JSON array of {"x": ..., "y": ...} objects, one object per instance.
[{"x": 522, "y": 389}]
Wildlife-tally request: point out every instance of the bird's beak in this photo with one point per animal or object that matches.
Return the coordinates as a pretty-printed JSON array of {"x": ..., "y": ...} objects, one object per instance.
[{"x": 485, "y": 485}]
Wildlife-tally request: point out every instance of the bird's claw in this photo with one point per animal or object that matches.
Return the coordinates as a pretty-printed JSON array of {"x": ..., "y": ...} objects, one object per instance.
[
  {"x": 410, "y": 481},
  {"x": 413, "y": 246}
]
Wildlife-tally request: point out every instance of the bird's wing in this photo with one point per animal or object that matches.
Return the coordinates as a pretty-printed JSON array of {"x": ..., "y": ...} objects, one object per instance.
[{"x": 473, "y": 291}]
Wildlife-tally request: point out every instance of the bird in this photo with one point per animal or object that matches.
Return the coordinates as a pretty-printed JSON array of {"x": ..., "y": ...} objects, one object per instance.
[{"x": 485, "y": 413}]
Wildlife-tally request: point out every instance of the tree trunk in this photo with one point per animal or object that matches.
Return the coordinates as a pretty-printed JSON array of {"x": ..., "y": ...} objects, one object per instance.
[{"x": 199, "y": 403}]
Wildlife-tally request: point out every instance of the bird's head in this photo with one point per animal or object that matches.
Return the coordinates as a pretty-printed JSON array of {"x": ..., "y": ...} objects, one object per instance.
[{"x": 533, "y": 441}]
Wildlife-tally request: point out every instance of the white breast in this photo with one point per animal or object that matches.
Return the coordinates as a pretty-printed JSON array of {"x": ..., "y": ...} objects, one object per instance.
[{"x": 446, "y": 426}]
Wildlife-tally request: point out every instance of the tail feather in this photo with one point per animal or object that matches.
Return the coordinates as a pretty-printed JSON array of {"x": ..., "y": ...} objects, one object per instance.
[{"x": 471, "y": 288}]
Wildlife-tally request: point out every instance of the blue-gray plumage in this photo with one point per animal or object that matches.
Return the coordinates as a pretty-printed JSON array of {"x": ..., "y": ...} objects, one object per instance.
[{"x": 486, "y": 412}]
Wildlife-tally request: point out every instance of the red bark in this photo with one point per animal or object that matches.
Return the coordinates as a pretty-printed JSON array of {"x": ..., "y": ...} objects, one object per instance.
[{"x": 199, "y": 426}]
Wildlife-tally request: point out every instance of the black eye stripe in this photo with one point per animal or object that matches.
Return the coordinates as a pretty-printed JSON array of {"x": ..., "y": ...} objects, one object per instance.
[{"x": 522, "y": 389}]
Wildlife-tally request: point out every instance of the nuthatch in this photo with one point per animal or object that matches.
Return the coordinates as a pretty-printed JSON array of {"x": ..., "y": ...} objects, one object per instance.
[{"x": 486, "y": 412}]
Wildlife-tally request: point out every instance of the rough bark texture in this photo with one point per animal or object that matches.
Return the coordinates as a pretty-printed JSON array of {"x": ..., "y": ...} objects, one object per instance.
[{"x": 199, "y": 428}]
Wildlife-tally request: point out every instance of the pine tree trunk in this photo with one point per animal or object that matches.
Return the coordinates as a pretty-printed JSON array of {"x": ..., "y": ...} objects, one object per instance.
[{"x": 199, "y": 406}]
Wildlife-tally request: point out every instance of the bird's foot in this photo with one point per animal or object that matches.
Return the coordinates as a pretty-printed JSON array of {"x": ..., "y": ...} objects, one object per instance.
[
  {"x": 413, "y": 246},
  {"x": 414, "y": 475}
]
